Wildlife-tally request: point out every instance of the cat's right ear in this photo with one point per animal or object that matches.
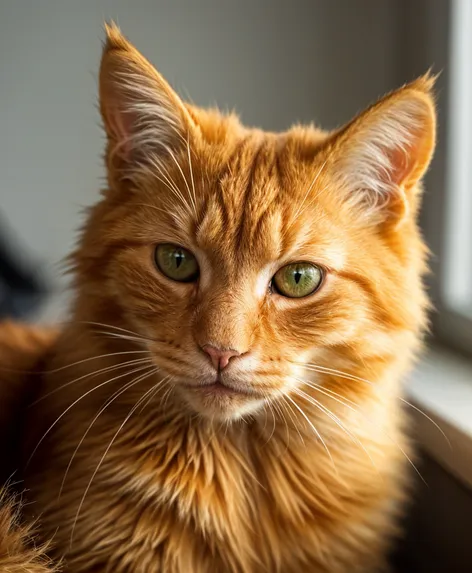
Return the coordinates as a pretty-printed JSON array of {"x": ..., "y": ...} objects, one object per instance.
[{"x": 144, "y": 118}]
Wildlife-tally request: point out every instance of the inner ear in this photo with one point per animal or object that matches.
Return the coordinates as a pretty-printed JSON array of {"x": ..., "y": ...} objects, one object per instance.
[
  {"x": 409, "y": 164},
  {"x": 381, "y": 156},
  {"x": 121, "y": 124},
  {"x": 143, "y": 116}
]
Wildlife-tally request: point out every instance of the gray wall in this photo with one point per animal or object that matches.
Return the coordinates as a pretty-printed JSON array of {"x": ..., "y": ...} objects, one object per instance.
[{"x": 276, "y": 62}]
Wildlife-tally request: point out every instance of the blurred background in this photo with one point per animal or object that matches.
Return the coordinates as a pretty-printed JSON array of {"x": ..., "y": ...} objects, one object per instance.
[{"x": 275, "y": 62}]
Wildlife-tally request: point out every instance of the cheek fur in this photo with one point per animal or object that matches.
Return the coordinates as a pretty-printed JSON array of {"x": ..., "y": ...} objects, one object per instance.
[
  {"x": 330, "y": 317},
  {"x": 137, "y": 287}
]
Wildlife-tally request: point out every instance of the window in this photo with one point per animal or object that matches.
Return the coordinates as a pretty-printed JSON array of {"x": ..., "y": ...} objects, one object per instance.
[
  {"x": 453, "y": 196},
  {"x": 438, "y": 34}
]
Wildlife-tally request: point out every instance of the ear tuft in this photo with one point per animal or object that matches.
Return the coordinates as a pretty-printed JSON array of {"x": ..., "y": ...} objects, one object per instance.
[
  {"x": 114, "y": 37},
  {"x": 424, "y": 83}
]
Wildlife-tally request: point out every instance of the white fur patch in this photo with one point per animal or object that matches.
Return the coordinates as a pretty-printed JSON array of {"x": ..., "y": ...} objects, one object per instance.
[{"x": 263, "y": 280}]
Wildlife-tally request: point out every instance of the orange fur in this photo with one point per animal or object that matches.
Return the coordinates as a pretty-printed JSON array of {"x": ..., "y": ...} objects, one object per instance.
[
  {"x": 304, "y": 470},
  {"x": 21, "y": 347},
  {"x": 18, "y": 552}
]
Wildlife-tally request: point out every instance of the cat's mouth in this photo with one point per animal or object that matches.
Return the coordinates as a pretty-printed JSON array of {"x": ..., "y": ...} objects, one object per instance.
[
  {"x": 219, "y": 388},
  {"x": 222, "y": 397}
]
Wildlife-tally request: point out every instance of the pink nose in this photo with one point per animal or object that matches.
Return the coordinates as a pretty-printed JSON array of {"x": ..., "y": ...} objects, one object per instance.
[{"x": 219, "y": 358}]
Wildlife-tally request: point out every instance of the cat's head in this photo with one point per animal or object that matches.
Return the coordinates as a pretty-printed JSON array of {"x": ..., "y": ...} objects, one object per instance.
[{"x": 244, "y": 256}]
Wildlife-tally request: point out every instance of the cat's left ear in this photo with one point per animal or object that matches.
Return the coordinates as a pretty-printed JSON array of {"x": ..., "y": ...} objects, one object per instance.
[
  {"x": 144, "y": 118},
  {"x": 380, "y": 157}
]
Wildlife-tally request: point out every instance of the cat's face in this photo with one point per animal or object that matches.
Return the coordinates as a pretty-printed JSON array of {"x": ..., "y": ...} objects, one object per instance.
[{"x": 242, "y": 257}]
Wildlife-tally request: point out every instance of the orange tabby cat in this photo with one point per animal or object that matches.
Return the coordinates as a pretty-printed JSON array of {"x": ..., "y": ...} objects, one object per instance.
[
  {"x": 21, "y": 349},
  {"x": 225, "y": 397}
]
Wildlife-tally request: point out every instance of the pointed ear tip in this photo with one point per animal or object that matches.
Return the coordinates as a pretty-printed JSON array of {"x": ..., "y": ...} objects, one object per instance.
[
  {"x": 421, "y": 93},
  {"x": 114, "y": 38},
  {"x": 426, "y": 83}
]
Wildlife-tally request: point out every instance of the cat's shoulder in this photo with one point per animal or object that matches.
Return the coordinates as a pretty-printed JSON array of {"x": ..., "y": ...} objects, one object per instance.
[
  {"x": 21, "y": 338},
  {"x": 23, "y": 349}
]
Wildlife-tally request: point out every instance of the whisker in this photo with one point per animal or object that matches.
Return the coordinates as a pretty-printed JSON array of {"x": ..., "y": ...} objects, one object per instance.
[
  {"x": 315, "y": 430},
  {"x": 110, "y": 400},
  {"x": 265, "y": 421},
  {"x": 338, "y": 422},
  {"x": 428, "y": 418},
  {"x": 289, "y": 410},
  {"x": 191, "y": 176},
  {"x": 120, "y": 336},
  {"x": 279, "y": 410},
  {"x": 133, "y": 409},
  {"x": 165, "y": 397},
  {"x": 104, "y": 325},
  {"x": 171, "y": 184},
  {"x": 135, "y": 339},
  {"x": 340, "y": 373},
  {"x": 132, "y": 335},
  {"x": 273, "y": 420},
  {"x": 167, "y": 181},
  {"x": 157, "y": 387},
  {"x": 174, "y": 189},
  {"x": 76, "y": 402},
  {"x": 149, "y": 206},
  {"x": 357, "y": 411},
  {"x": 185, "y": 181},
  {"x": 90, "y": 375},
  {"x": 331, "y": 394},
  {"x": 348, "y": 376},
  {"x": 88, "y": 359},
  {"x": 169, "y": 211}
]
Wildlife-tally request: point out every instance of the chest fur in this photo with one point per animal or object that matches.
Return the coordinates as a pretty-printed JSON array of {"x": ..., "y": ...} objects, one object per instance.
[{"x": 188, "y": 498}]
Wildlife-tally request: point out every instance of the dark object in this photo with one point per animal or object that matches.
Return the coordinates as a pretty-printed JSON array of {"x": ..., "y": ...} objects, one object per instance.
[
  {"x": 21, "y": 289},
  {"x": 438, "y": 526}
]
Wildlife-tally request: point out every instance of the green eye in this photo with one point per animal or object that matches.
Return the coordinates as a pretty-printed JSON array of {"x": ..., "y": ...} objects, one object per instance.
[
  {"x": 298, "y": 280},
  {"x": 176, "y": 263}
]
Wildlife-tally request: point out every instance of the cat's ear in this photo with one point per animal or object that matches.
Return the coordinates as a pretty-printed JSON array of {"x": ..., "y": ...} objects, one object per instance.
[
  {"x": 143, "y": 116},
  {"x": 380, "y": 157}
]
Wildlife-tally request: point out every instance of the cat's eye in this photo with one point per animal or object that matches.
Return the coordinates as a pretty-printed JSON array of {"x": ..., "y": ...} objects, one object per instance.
[
  {"x": 298, "y": 280},
  {"x": 176, "y": 263}
]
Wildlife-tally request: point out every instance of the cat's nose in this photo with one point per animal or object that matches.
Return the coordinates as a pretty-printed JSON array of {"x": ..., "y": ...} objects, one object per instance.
[{"x": 219, "y": 358}]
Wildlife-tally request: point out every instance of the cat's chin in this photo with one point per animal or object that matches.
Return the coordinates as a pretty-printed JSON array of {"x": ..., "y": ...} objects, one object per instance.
[{"x": 221, "y": 402}]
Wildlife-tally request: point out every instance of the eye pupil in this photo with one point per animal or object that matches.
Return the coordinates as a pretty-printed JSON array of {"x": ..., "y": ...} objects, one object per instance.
[
  {"x": 179, "y": 257},
  {"x": 176, "y": 263},
  {"x": 298, "y": 280}
]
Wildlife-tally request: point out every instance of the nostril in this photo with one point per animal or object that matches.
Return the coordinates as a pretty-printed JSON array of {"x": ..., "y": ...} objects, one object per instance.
[
  {"x": 224, "y": 361},
  {"x": 220, "y": 357}
]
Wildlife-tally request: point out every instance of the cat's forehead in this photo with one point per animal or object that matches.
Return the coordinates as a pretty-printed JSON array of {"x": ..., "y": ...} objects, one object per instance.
[{"x": 256, "y": 210}]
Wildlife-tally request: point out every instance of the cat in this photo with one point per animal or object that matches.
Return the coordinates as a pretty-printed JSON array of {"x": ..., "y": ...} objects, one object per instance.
[
  {"x": 21, "y": 349},
  {"x": 227, "y": 393}
]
